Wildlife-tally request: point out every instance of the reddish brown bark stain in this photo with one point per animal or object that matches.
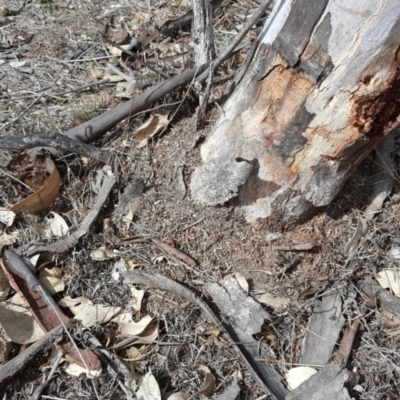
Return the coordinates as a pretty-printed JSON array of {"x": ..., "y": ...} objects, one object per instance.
[{"x": 376, "y": 113}]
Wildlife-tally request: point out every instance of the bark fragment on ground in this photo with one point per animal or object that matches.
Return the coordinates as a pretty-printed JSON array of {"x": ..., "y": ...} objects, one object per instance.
[
  {"x": 270, "y": 382},
  {"x": 323, "y": 330},
  {"x": 327, "y": 384}
]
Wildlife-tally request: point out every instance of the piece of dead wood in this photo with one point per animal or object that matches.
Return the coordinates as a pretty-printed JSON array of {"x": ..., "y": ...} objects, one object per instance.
[
  {"x": 346, "y": 344},
  {"x": 71, "y": 240},
  {"x": 231, "y": 393},
  {"x": 323, "y": 330},
  {"x": 383, "y": 174},
  {"x": 247, "y": 317},
  {"x": 44, "y": 309},
  {"x": 180, "y": 255},
  {"x": 12, "y": 367},
  {"x": 56, "y": 140},
  {"x": 245, "y": 313},
  {"x": 295, "y": 247},
  {"x": 273, "y": 383},
  {"x": 386, "y": 300},
  {"x": 327, "y": 384},
  {"x": 202, "y": 30},
  {"x": 185, "y": 20}
]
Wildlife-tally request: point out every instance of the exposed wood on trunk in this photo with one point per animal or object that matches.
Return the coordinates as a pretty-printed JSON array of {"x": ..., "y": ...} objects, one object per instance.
[{"x": 322, "y": 91}]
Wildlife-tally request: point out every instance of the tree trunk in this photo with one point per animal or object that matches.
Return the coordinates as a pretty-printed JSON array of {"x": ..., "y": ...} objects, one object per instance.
[{"x": 321, "y": 91}]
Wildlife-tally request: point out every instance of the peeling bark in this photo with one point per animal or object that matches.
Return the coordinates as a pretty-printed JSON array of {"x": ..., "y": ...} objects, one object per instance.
[{"x": 322, "y": 90}]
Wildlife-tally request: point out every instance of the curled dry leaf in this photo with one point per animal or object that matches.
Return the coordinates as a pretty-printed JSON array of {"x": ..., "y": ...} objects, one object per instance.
[
  {"x": 129, "y": 327},
  {"x": 296, "y": 376},
  {"x": 155, "y": 124},
  {"x": 56, "y": 225},
  {"x": 389, "y": 278},
  {"x": 208, "y": 387},
  {"x": 134, "y": 354},
  {"x": 7, "y": 217},
  {"x": 273, "y": 301},
  {"x": 18, "y": 322},
  {"x": 45, "y": 195},
  {"x": 242, "y": 281},
  {"x": 87, "y": 312},
  {"x": 52, "y": 280},
  {"x": 8, "y": 239},
  {"x": 149, "y": 389},
  {"x": 102, "y": 253},
  {"x": 391, "y": 323},
  {"x": 76, "y": 370}
]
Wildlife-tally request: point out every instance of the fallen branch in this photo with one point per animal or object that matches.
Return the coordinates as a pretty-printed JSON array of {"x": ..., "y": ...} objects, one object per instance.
[
  {"x": 71, "y": 240},
  {"x": 161, "y": 282},
  {"x": 56, "y": 140},
  {"x": 43, "y": 308},
  {"x": 174, "y": 252},
  {"x": 96, "y": 127},
  {"x": 9, "y": 369}
]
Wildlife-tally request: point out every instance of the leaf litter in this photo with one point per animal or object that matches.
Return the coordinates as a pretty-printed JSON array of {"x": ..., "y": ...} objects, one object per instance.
[{"x": 216, "y": 241}]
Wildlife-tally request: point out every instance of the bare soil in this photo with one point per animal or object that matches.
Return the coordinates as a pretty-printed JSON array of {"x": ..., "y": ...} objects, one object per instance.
[{"x": 48, "y": 49}]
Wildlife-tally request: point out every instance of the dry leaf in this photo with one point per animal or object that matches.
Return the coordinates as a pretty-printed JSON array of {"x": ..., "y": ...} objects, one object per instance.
[
  {"x": 8, "y": 240},
  {"x": 116, "y": 51},
  {"x": 7, "y": 217},
  {"x": 137, "y": 297},
  {"x": 148, "y": 335},
  {"x": 155, "y": 124},
  {"x": 208, "y": 387},
  {"x": 149, "y": 389},
  {"x": 56, "y": 225},
  {"x": 391, "y": 323},
  {"x": 242, "y": 281},
  {"x": 130, "y": 265},
  {"x": 52, "y": 280},
  {"x": 212, "y": 331},
  {"x": 296, "y": 376},
  {"x": 126, "y": 90},
  {"x": 76, "y": 370},
  {"x": 179, "y": 396},
  {"x": 394, "y": 252},
  {"x": 389, "y": 278},
  {"x": 129, "y": 327},
  {"x": 102, "y": 253},
  {"x": 119, "y": 266},
  {"x": 87, "y": 312},
  {"x": 45, "y": 196},
  {"x": 273, "y": 301},
  {"x": 134, "y": 354},
  {"x": 18, "y": 322}
]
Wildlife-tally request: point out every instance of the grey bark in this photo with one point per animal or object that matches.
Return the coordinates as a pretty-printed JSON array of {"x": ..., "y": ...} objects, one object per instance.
[{"x": 322, "y": 90}]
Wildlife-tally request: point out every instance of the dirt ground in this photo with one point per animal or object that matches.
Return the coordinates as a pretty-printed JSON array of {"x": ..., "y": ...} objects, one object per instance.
[{"x": 49, "y": 49}]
